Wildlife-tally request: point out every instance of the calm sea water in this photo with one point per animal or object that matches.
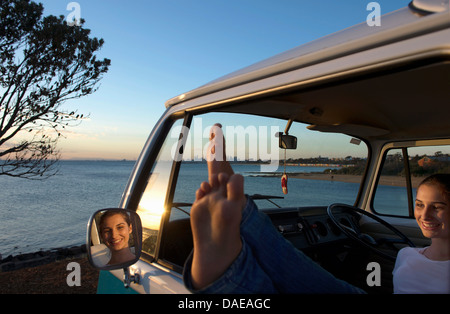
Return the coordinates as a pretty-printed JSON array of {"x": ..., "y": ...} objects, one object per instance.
[
  {"x": 300, "y": 192},
  {"x": 41, "y": 215}
]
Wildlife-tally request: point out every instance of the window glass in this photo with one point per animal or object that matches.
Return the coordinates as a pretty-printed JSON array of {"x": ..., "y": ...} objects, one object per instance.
[
  {"x": 325, "y": 168},
  {"x": 391, "y": 197},
  {"x": 152, "y": 204}
]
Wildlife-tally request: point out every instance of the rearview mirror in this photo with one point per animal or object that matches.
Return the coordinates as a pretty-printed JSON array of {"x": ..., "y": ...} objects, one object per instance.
[
  {"x": 114, "y": 238},
  {"x": 287, "y": 141}
]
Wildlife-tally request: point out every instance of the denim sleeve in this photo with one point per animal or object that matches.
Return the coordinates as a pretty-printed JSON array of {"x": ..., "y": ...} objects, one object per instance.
[
  {"x": 290, "y": 270},
  {"x": 244, "y": 276}
]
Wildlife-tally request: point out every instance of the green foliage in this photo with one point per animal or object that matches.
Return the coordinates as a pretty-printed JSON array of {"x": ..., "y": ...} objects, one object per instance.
[
  {"x": 394, "y": 165},
  {"x": 43, "y": 63}
]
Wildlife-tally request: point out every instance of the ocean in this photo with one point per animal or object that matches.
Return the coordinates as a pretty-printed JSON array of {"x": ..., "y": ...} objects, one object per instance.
[{"x": 53, "y": 213}]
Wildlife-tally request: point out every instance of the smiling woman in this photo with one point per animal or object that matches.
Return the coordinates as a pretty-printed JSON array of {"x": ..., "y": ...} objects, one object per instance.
[
  {"x": 432, "y": 213},
  {"x": 430, "y": 265},
  {"x": 113, "y": 238},
  {"x": 116, "y": 229}
]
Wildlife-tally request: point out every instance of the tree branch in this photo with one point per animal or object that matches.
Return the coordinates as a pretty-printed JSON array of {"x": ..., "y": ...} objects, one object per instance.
[{"x": 57, "y": 64}]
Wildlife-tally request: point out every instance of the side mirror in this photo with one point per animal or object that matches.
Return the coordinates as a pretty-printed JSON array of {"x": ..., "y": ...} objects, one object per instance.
[
  {"x": 114, "y": 238},
  {"x": 287, "y": 141}
]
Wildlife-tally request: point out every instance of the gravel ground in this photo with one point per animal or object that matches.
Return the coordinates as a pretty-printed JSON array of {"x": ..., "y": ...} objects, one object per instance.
[{"x": 49, "y": 279}]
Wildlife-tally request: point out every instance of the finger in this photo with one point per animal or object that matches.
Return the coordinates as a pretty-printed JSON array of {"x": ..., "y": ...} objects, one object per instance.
[
  {"x": 223, "y": 181},
  {"x": 214, "y": 128},
  {"x": 199, "y": 194},
  {"x": 214, "y": 181},
  {"x": 205, "y": 187},
  {"x": 235, "y": 187}
]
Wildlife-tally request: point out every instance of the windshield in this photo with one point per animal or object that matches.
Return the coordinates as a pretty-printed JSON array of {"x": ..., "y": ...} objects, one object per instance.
[{"x": 325, "y": 168}]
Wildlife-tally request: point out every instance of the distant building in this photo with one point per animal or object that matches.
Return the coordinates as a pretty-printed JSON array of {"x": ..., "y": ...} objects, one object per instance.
[{"x": 425, "y": 162}]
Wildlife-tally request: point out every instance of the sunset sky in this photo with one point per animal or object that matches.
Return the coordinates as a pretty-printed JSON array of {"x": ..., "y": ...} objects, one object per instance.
[{"x": 160, "y": 49}]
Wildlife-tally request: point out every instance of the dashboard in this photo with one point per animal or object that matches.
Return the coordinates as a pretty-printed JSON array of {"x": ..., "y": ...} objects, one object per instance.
[{"x": 310, "y": 227}]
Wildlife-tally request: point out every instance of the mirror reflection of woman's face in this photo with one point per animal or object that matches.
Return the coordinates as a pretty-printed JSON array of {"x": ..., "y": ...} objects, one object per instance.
[{"x": 116, "y": 232}]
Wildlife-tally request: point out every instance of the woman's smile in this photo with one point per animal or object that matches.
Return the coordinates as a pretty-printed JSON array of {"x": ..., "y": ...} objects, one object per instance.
[
  {"x": 116, "y": 242},
  {"x": 430, "y": 226}
]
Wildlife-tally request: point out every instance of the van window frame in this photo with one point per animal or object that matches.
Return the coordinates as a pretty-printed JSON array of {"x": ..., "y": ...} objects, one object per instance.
[
  {"x": 404, "y": 147},
  {"x": 160, "y": 258},
  {"x": 145, "y": 175},
  {"x": 169, "y": 199}
]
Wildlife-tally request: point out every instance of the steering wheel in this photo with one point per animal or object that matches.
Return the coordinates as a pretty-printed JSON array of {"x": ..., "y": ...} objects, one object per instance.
[{"x": 363, "y": 238}]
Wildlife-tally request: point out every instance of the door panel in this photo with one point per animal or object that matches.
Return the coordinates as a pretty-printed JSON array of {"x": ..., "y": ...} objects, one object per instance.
[{"x": 156, "y": 279}]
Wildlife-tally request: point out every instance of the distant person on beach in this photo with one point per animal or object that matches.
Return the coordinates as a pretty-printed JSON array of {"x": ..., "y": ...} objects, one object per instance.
[
  {"x": 237, "y": 249},
  {"x": 430, "y": 266},
  {"x": 115, "y": 229}
]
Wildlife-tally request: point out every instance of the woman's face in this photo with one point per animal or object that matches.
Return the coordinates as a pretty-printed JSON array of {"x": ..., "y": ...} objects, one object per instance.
[
  {"x": 432, "y": 212},
  {"x": 116, "y": 232}
]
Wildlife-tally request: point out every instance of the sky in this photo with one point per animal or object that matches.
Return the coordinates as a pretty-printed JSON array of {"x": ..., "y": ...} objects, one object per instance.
[{"x": 161, "y": 49}]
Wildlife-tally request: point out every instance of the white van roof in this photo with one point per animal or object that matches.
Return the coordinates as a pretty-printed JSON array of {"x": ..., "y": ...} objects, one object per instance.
[{"x": 420, "y": 18}]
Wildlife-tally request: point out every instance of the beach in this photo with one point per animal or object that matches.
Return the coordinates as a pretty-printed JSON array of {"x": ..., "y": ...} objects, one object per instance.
[
  {"x": 49, "y": 278},
  {"x": 384, "y": 180}
]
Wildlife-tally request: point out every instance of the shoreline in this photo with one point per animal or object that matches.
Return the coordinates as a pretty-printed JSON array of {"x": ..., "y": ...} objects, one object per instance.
[
  {"x": 348, "y": 178},
  {"x": 384, "y": 180},
  {"x": 46, "y": 272},
  {"x": 39, "y": 258},
  {"x": 50, "y": 278}
]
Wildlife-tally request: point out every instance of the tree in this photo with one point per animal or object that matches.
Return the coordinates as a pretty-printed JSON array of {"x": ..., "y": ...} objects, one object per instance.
[{"x": 43, "y": 63}]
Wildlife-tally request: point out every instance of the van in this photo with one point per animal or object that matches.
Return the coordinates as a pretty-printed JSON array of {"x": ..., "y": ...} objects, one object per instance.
[{"x": 352, "y": 122}]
